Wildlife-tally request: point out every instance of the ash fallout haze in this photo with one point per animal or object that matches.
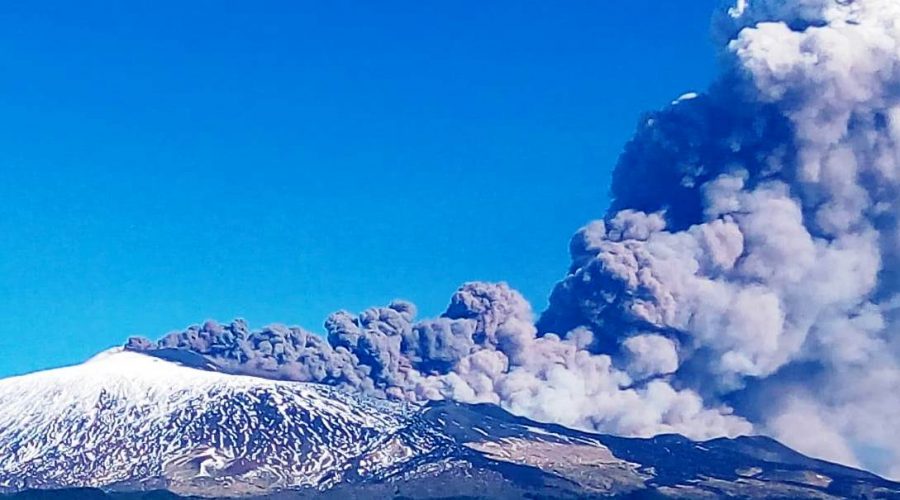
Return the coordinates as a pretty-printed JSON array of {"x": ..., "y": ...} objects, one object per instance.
[{"x": 744, "y": 280}]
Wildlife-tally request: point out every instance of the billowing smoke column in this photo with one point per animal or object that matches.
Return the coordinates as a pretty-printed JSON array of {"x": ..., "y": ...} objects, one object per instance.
[
  {"x": 745, "y": 278},
  {"x": 755, "y": 228}
]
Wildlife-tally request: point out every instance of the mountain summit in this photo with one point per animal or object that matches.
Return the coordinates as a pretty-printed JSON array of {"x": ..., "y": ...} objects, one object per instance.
[{"x": 131, "y": 422}]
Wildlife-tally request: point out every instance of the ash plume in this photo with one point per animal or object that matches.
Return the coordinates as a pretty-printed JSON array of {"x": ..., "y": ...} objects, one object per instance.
[
  {"x": 484, "y": 348},
  {"x": 746, "y": 277},
  {"x": 755, "y": 227}
]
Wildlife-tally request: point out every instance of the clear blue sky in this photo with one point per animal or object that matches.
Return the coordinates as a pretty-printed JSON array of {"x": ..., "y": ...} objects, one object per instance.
[{"x": 162, "y": 163}]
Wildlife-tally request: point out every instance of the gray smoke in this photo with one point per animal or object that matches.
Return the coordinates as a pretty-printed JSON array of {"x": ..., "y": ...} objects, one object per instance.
[
  {"x": 745, "y": 278},
  {"x": 755, "y": 228},
  {"x": 484, "y": 348}
]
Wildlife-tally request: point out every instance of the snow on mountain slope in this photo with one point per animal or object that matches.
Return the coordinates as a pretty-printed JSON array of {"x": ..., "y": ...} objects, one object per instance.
[{"x": 128, "y": 417}]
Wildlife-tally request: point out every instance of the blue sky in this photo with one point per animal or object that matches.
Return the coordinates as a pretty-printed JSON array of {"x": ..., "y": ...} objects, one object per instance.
[{"x": 161, "y": 164}]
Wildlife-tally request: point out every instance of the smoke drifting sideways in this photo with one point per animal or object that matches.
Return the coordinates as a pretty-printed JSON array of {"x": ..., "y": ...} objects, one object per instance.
[
  {"x": 745, "y": 279},
  {"x": 483, "y": 349}
]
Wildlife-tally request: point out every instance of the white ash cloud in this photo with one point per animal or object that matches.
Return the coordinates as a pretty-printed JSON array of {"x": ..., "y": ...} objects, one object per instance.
[
  {"x": 746, "y": 277},
  {"x": 650, "y": 355}
]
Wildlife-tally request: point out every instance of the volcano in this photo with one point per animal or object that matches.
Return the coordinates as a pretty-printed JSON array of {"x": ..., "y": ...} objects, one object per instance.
[{"x": 125, "y": 424}]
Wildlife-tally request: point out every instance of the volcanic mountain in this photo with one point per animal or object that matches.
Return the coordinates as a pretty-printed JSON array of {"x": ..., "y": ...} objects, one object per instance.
[{"x": 126, "y": 423}]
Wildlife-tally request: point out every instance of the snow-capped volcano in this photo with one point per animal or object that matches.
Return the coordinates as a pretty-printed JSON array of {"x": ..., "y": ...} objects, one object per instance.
[
  {"x": 128, "y": 421},
  {"x": 129, "y": 417}
]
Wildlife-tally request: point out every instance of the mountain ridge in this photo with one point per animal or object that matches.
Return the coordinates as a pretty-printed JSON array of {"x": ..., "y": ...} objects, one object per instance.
[{"x": 126, "y": 423}]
